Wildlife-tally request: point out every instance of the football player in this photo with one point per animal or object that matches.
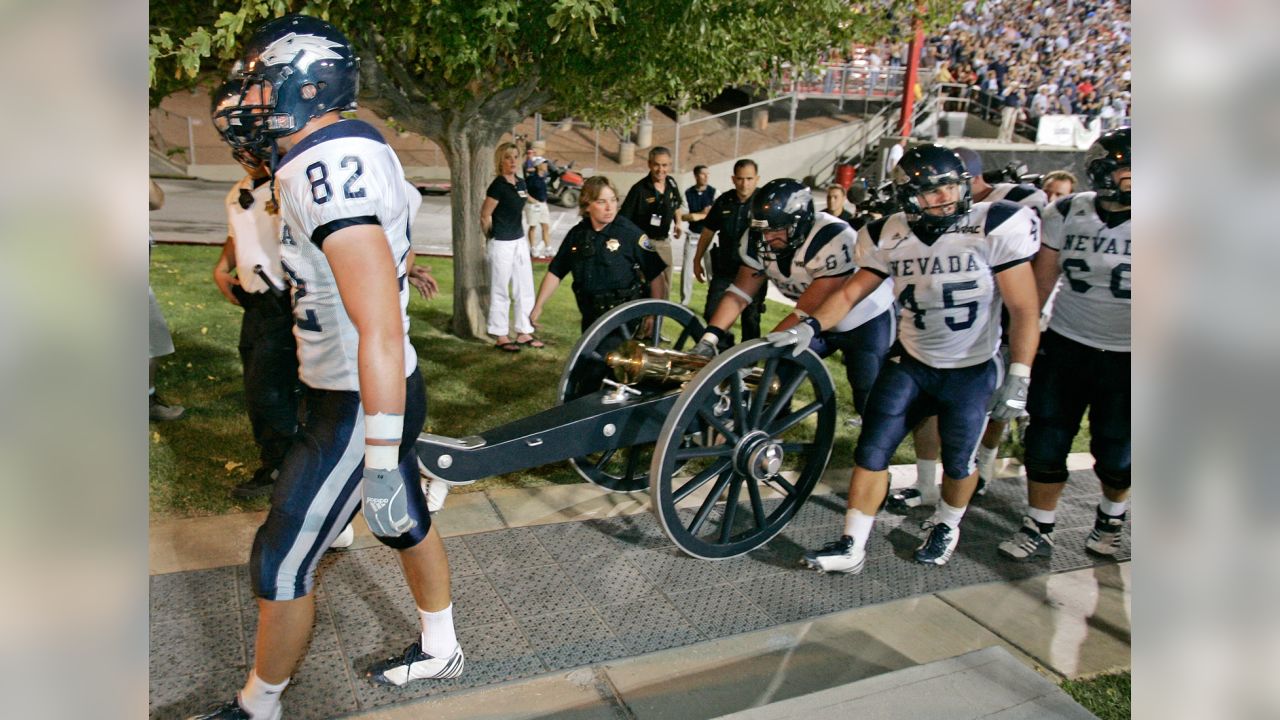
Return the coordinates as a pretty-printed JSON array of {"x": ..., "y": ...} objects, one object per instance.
[
  {"x": 952, "y": 262},
  {"x": 925, "y": 489},
  {"x": 1084, "y": 358},
  {"x": 807, "y": 256},
  {"x": 345, "y": 211}
]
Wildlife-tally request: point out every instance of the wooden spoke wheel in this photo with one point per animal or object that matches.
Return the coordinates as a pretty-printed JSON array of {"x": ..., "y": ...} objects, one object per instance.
[
  {"x": 656, "y": 323},
  {"x": 742, "y": 449}
]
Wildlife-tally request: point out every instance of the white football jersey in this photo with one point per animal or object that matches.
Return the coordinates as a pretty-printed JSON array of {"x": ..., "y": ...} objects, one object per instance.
[
  {"x": 948, "y": 302},
  {"x": 828, "y": 251},
  {"x": 256, "y": 233},
  {"x": 1021, "y": 193},
  {"x": 341, "y": 175},
  {"x": 1094, "y": 305}
]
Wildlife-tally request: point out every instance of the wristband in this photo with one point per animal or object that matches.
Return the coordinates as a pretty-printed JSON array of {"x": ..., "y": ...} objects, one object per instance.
[
  {"x": 381, "y": 457},
  {"x": 1019, "y": 369},
  {"x": 384, "y": 426},
  {"x": 812, "y": 322}
]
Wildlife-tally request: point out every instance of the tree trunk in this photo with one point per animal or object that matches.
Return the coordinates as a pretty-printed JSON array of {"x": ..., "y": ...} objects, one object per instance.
[{"x": 470, "y": 171}]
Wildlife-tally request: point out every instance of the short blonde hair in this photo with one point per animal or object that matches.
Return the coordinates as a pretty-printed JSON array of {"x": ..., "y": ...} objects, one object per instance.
[
  {"x": 1057, "y": 175},
  {"x": 503, "y": 150},
  {"x": 591, "y": 190}
]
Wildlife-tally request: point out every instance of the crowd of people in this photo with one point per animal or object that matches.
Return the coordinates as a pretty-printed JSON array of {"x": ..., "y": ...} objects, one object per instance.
[
  {"x": 1041, "y": 57},
  {"x": 910, "y": 300}
]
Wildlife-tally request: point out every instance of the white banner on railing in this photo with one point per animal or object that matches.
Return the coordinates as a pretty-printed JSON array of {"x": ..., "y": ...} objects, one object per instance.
[{"x": 1067, "y": 131}]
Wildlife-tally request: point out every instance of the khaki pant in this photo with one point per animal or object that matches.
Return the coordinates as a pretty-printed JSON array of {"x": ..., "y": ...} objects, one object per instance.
[{"x": 663, "y": 247}]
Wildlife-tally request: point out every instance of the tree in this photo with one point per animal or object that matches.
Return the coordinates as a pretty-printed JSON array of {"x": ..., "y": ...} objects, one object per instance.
[{"x": 463, "y": 72}]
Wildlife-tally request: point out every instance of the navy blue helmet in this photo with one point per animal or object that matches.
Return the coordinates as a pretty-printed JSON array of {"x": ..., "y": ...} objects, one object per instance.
[
  {"x": 928, "y": 167},
  {"x": 781, "y": 203},
  {"x": 305, "y": 68},
  {"x": 224, "y": 97},
  {"x": 1109, "y": 153}
]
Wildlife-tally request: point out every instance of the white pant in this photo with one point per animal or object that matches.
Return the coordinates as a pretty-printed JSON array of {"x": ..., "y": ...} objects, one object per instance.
[
  {"x": 686, "y": 266},
  {"x": 509, "y": 264}
]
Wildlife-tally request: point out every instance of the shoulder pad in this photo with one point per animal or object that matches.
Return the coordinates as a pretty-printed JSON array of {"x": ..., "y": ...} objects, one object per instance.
[
  {"x": 999, "y": 213},
  {"x": 824, "y": 235},
  {"x": 875, "y": 227},
  {"x": 1063, "y": 205},
  {"x": 1021, "y": 192}
]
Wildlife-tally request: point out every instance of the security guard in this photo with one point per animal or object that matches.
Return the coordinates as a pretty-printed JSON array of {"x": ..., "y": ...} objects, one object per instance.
[
  {"x": 605, "y": 254},
  {"x": 653, "y": 209},
  {"x": 730, "y": 216}
]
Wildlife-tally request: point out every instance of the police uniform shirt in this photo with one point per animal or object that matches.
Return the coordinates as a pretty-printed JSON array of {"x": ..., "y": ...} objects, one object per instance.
[
  {"x": 340, "y": 176},
  {"x": 256, "y": 234},
  {"x": 828, "y": 251},
  {"x": 605, "y": 259},
  {"x": 949, "y": 305},
  {"x": 1024, "y": 194},
  {"x": 508, "y": 215},
  {"x": 696, "y": 201},
  {"x": 730, "y": 218},
  {"x": 650, "y": 210},
  {"x": 1094, "y": 305}
]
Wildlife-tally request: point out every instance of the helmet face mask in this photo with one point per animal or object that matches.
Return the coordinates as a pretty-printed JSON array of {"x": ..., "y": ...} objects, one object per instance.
[
  {"x": 930, "y": 178},
  {"x": 782, "y": 204},
  {"x": 1108, "y": 155},
  {"x": 295, "y": 68},
  {"x": 244, "y": 146}
]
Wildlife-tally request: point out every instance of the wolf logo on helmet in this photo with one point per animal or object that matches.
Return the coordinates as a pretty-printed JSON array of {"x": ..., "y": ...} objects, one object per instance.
[
  {"x": 781, "y": 203},
  {"x": 294, "y": 68}
]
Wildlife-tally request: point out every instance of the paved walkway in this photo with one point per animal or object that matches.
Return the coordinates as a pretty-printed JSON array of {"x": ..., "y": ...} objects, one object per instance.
[{"x": 571, "y": 602}]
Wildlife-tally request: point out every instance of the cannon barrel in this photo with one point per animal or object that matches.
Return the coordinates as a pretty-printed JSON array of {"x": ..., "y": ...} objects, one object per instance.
[{"x": 633, "y": 363}]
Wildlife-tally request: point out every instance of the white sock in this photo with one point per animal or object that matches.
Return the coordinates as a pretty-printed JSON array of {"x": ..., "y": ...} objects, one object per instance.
[
  {"x": 1044, "y": 517},
  {"x": 438, "y": 637},
  {"x": 1113, "y": 509},
  {"x": 949, "y": 515},
  {"x": 987, "y": 461},
  {"x": 857, "y": 525},
  {"x": 926, "y": 476},
  {"x": 260, "y": 698}
]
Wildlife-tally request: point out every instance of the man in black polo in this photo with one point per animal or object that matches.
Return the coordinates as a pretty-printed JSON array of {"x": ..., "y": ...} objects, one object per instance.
[
  {"x": 730, "y": 216},
  {"x": 698, "y": 200},
  {"x": 652, "y": 204}
]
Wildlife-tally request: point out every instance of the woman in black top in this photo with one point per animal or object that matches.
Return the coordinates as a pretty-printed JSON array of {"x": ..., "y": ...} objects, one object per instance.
[{"x": 510, "y": 268}]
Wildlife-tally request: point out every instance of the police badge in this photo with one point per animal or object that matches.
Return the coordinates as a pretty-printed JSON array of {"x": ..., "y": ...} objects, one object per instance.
[
  {"x": 646, "y": 243},
  {"x": 612, "y": 244}
]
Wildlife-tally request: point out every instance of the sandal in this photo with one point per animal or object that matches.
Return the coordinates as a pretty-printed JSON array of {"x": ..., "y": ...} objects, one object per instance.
[
  {"x": 508, "y": 347},
  {"x": 532, "y": 342}
]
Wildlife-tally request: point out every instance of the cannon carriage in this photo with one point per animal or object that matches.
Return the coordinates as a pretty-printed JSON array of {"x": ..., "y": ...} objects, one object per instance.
[{"x": 729, "y": 449}]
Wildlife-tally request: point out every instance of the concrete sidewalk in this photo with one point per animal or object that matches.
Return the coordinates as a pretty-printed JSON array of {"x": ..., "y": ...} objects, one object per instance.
[{"x": 1062, "y": 625}]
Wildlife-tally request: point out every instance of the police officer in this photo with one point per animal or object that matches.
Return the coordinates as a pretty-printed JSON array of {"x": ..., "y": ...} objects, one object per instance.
[
  {"x": 652, "y": 205},
  {"x": 698, "y": 200},
  {"x": 605, "y": 254},
  {"x": 730, "y": 216}
]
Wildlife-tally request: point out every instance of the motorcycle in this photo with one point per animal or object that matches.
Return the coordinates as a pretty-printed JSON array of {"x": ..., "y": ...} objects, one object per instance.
[{"x": 563, "y": 184}]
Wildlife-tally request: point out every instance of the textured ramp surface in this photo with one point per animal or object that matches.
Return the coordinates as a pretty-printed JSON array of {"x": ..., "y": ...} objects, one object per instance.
[{"x": 529, "y": 601}]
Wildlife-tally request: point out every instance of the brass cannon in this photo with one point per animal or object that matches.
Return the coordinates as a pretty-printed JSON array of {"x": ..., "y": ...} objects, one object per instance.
[{"x": 727, "y": 465}]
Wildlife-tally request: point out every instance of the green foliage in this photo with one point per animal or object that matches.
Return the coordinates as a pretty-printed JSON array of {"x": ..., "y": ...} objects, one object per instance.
[
  {"x": 602, "y": 60},
  {"x": 1107, "y": 696}
]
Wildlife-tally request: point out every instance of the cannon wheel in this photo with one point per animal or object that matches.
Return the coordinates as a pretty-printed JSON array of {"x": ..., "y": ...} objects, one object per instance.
[
  {"x": 624, "y": 469},
  {"x": 763, "y": 447}
]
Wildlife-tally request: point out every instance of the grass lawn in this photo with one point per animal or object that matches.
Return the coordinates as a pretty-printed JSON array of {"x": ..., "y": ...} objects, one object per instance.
[
  {"x": 471, "y": 387},
  {"x": 1107, "y": 696}
]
